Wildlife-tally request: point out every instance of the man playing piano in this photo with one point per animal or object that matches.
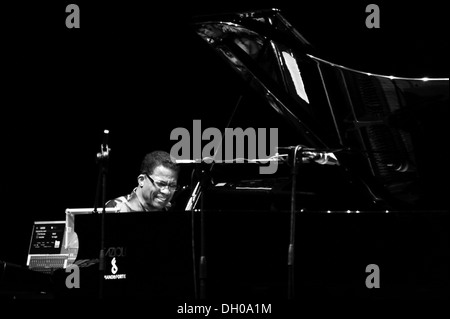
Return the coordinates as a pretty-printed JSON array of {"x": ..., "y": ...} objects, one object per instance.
[{"x": 157, "y": 183}]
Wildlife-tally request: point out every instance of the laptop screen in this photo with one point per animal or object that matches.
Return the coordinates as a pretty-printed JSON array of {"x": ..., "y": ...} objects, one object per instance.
[{"x": 47, "y": 237}]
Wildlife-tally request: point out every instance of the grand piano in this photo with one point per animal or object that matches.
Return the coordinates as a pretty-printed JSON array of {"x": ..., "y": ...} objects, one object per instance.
[
  {"x": 383, "y": 129},
  {"x": 382, "y": 204}
]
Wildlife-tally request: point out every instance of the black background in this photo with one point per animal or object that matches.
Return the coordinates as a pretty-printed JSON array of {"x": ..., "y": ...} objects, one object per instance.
[{"x": 139, "y": 71}]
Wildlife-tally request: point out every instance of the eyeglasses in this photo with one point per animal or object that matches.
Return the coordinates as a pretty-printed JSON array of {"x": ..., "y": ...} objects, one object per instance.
[{"x": 161, "y": 184}]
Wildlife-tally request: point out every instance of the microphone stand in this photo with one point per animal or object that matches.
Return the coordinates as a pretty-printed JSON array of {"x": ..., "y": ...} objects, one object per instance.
[
  {"x": 291, "y": 249},
  {"x": 202, "y": 265},
  {"x": 102, "y": 160},
  {"x": 198, "y": 194}
]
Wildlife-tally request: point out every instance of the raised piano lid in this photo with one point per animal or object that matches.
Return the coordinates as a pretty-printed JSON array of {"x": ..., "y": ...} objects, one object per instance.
[{"x": 382, "y": 128}]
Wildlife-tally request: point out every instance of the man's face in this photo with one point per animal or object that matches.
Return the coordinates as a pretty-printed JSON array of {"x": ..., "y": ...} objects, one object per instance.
[{"x": 159, "y": 187}]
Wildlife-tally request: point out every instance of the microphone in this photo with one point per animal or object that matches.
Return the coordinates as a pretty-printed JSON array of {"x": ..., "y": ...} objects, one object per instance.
[
  {"x": 308, "y": 156},
  {"x": 323, "y": 158},
  {"x": 104, "y": 148}
]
